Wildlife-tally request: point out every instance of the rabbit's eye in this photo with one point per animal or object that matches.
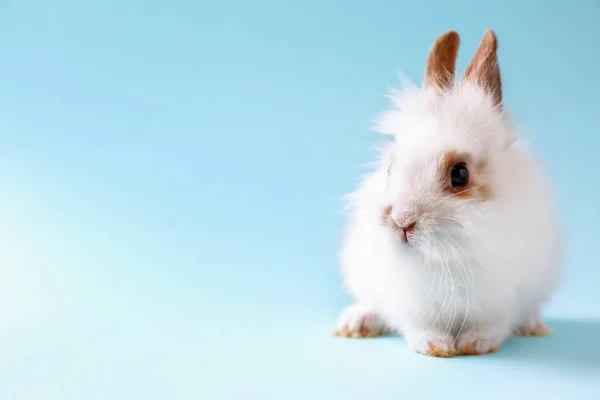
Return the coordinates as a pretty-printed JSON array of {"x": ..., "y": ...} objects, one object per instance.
[{"x": 459, "y": 176}]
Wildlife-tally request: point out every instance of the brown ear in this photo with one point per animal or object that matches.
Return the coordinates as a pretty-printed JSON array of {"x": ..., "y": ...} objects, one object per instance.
[
  {"x": 484, "y": 69},
  {"x": 439, "y": 71}
]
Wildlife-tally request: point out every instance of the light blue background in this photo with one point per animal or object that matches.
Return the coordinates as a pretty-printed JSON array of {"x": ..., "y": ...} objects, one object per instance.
[{"x": 170, "y": 184}]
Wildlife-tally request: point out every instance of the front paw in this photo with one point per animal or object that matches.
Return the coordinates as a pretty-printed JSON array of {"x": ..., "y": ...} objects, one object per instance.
[
  {"x": 472, "y": 343},
  {"x": 535, "y": 327},
  {"x": 433, "y": 343},
  {"x": 358, "y": 321}
]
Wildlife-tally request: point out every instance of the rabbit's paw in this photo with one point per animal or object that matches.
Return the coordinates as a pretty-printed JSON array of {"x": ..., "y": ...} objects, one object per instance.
[
  {"x": 359, "y": 321},
  {"x": 475, "y": 342},
  {"x": 533, "y": 327},
  {"x": 431, "y": 342}
]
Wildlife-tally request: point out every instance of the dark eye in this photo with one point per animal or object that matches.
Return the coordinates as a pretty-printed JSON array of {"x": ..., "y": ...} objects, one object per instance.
[{"x": 459, "y": 176}]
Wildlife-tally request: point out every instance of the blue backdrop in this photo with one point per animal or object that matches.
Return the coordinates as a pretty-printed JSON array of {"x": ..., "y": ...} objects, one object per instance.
[{"x": 171, "y": 175}]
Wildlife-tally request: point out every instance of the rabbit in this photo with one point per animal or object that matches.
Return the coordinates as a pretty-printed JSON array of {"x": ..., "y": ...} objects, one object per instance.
[{"x": 453, "y": 241}]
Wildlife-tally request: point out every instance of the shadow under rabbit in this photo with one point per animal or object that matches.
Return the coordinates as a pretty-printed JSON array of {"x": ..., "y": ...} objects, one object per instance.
[{"x": 570, "y": 344}]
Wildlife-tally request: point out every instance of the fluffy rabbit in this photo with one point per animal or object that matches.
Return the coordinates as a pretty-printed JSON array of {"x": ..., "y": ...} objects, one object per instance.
[{"x": 453, "y": 241}]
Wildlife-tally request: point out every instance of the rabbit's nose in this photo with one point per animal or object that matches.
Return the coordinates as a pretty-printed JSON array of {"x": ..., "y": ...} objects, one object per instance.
[{"x": 407, "y": 220}]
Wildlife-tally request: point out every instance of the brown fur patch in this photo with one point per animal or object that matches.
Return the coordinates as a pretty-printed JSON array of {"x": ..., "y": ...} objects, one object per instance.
[
  {"x": 469, "y": 350},
  {"x": 484, "y": 68},
  {"x": 476, "y": 188},
  {"x": 540, "y": 329},
  {"x": 364, "y": 329},
  {"x": 439, "y": 71},
  {"x": 435, "y": 351},
  {"x": 385, "y": 215},
  {"x": 362, "y": 333}
]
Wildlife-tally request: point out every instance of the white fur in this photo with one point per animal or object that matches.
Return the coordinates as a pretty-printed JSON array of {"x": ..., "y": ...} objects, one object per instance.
[{"x": 475, "y": 270}]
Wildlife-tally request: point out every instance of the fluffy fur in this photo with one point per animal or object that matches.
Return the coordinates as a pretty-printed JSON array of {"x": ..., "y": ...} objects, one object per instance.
[{"x": 478, "y": 265}]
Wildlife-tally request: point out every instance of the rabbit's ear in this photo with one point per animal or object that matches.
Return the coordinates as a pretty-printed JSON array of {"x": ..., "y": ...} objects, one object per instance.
[
  {"x": 439, "y": 71},
  {"x": 484, "y": 69}
]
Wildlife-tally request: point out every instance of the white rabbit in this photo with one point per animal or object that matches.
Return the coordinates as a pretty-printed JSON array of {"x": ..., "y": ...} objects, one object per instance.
[{"x": 453, "y": 241}]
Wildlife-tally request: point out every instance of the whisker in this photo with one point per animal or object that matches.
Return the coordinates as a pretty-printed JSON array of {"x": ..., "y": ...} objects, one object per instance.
[
  {"x": 340, "y": 290},
  {"x": 451, "y": 195},
  {"x": 461, "y": 249},
  {"x": 467, "y": 230},
  {"x": 466, "y": 281},
  {"x": 448, "y": 328},
  {"x": 442, "y": 309}
]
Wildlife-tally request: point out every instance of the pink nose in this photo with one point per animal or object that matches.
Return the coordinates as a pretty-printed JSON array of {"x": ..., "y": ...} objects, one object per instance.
[{"x": 407, "y": 221}]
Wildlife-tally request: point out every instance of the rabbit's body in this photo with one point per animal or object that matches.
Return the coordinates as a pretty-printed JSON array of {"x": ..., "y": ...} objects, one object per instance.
[{"x": 455, "y": 267}]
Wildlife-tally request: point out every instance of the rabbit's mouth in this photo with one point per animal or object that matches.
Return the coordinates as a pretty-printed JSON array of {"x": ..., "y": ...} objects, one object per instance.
[{"x": 408, "y": 237}]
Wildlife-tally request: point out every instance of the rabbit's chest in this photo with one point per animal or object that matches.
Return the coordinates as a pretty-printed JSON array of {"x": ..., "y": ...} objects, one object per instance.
[{"x": 453, "y": 295}]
